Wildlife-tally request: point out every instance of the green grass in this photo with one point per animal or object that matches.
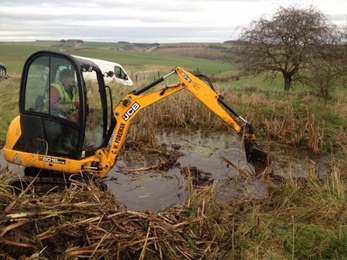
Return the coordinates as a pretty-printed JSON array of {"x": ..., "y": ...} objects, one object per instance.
[
  {"x": 14, "y": 56},
  {"x": 135, "y": 58}
]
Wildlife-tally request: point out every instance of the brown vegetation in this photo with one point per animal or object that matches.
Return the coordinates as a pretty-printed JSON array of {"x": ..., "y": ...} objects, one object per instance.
[{"x": 84, "y": 222}]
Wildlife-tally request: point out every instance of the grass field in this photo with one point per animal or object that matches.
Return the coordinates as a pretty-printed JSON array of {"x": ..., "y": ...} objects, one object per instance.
[{"x": 14, "y": 55}]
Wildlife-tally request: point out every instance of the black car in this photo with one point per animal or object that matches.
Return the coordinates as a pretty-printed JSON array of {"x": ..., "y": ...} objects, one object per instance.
[{"x": 2, "y": 71}]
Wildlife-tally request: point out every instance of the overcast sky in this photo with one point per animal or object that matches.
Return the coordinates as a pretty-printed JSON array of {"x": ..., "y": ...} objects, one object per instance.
[{"x": 146, "y": 21}]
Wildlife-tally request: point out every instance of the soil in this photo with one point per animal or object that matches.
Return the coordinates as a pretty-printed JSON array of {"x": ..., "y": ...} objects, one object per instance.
[{"x": 157, "y": 178}]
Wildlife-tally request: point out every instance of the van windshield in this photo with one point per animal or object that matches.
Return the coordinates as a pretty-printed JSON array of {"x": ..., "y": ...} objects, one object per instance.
[{"x": 120, "y": 73}]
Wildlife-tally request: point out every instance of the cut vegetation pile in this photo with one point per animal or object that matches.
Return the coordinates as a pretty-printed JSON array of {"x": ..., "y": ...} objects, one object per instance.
[
  {"x": 301, "y": 219},
  {"x": 84, "y": 222}
]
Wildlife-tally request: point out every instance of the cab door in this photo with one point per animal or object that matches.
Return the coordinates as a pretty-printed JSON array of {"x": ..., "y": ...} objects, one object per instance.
[{"x": 45, "y": 129}]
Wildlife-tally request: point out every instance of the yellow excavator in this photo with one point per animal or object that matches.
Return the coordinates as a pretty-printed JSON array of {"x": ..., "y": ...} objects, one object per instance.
[{"x": 95, "y": 130}]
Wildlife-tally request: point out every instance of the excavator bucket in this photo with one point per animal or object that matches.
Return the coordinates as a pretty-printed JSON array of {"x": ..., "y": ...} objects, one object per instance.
[{"x": 256, "y": 156}]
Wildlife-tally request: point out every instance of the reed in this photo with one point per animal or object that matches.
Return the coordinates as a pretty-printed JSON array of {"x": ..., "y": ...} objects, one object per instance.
[{"x": 299, "y": 219}]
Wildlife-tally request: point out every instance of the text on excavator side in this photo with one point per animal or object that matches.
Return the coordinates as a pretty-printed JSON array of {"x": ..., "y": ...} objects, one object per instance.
[
  {"x": 51, "y": 160},
  {"x": 131, "y": 111},
  {"x": 119, "y": 133},
  {"x": 186, "y": 77}
]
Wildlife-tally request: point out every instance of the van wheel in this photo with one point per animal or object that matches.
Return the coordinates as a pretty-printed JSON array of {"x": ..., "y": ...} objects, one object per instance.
[{"x": 2, "y": 73}]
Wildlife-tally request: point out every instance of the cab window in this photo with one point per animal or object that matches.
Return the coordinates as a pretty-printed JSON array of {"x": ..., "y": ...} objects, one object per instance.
[{"x": 51, "y": 87}]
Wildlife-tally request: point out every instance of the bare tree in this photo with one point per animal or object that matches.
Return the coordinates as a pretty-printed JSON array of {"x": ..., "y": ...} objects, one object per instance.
[
  {"x": 327, "y": 65},
  {"x": 283, "y": 44}
]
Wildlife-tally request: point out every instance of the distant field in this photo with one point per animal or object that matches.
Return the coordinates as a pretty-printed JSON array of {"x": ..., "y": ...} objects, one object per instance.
[{"x": 134, "y": 57}]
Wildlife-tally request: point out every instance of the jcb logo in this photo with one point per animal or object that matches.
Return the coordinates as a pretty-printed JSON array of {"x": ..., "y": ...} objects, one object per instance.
[{"x": 131, "y": 111}]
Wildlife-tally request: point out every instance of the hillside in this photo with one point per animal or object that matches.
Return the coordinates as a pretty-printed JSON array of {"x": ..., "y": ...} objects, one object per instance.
[{"x": 208, "y": 51}]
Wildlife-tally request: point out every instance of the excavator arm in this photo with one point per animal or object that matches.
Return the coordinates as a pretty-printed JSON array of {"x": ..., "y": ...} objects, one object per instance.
[{"x": 135, "y": 101}]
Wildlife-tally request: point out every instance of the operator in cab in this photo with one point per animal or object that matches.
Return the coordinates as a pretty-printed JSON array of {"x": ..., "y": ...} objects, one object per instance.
[
  {"x": 61, "y": 96},
  {"x": 61, "y": 100}
]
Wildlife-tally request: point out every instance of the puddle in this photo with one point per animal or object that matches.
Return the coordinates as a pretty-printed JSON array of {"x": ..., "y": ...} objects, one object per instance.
[{"x": 139, "y": 185}]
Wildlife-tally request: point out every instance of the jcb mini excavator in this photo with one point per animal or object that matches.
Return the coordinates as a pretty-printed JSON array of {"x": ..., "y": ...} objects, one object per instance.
[{"x": 37, "y": 138}]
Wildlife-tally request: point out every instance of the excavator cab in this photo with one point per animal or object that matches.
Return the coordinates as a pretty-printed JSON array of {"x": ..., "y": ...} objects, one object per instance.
[{"x": 41, "y": 129}]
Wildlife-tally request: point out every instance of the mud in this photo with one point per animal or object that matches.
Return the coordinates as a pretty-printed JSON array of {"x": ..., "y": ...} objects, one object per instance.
[{"x": 156, "y": 178}]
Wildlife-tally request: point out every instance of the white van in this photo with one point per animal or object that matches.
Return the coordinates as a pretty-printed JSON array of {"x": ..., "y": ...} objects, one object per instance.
[{"x": 119, "y": 74}]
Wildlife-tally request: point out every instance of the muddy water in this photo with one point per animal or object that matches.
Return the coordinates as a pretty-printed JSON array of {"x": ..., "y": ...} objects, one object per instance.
[
  {"x": 205, "y": 152},
  {"x": 140, "y": 185},
  {"x": 156, "y": 190}
]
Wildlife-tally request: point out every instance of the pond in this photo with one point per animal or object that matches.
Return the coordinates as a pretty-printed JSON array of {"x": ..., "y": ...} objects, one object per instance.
[
  {"x": 157, "y": 178},
  {"x": 206, "y": 157}
]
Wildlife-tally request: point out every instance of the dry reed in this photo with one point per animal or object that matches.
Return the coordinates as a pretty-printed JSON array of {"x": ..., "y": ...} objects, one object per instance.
[{"x": 84, "y": 222}]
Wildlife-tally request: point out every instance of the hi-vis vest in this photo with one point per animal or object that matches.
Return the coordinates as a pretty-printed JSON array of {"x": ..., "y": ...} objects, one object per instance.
[{"x": 64, "y": 98}]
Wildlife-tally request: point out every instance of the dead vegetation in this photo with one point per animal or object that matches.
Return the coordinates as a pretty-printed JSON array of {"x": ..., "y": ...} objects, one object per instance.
[{"x": 84, "y": 222}]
